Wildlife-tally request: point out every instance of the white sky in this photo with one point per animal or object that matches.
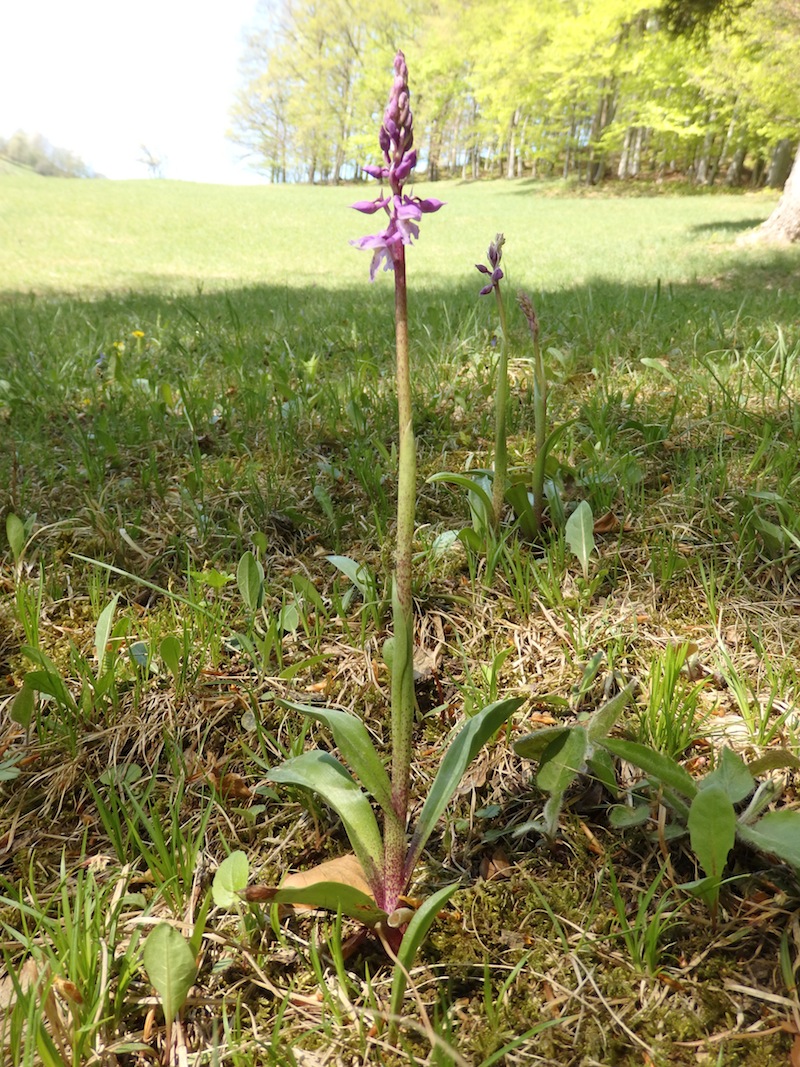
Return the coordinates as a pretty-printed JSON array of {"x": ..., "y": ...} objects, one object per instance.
[{"x": 103, "y": 77}]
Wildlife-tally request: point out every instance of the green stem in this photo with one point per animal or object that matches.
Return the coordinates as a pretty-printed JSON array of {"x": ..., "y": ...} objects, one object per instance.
[
  {"x": 540, "y": 426},
  {"x": 402, "y": 603},
  {"x": 500, "y": 408}
]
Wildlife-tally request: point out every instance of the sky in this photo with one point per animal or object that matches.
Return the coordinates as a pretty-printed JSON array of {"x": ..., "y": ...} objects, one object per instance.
[{"x": 101, "y": 78}]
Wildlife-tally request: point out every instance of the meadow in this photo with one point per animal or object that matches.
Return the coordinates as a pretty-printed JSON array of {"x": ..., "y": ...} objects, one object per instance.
[{"x": 193, "y": 376}]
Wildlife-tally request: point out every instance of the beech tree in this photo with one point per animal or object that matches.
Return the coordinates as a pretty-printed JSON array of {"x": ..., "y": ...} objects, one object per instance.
[{"x": 539, "y": 88}]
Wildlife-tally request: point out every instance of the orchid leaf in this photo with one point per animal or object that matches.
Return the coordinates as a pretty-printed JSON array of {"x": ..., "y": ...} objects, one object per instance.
[
  {"x": 359, "y": 574},
  {"x": 478, "y": 495},
  {"x": 353, "y": 741},
  {"x": 328, "y": 896},
  {"x": 324, "y": 775},
  {"x": 467, "y": 743},
  {"x": 412, "y": 939}
]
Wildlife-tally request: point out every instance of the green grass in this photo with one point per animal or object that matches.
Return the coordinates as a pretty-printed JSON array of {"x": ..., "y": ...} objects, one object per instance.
[{"x": 188, "y": 373}]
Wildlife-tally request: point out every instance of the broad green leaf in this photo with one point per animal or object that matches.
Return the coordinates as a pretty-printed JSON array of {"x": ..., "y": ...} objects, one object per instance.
[
  {"x": 773, "y": 760},
  {"x": 323, "y": 774},
  {"x": 605, "y": 718},
  {"x": 531, "y": 746},
  {"x": 231, "y": 877},
  {"x": 15, "y": 532},
  {"x": 601, "y": 767},
  {"x": 712, "y": 829},
  {"x": 51, "y": 684},
  {"x": 358, "y": 573},
  {"x": 521, "y": 500},
  {"x": 478, "y": 497},
  {"x": 731, "y": 775},
  {"x": 461, "y": 752},
  {"x": 333, "y": 896},
  {"x": 654, "y": 764},
  {"x": 415, "y": 934},
  {"x": 579, "y": 534},
  {"x": 776, "y": 833},
  {"x": 353, "y": 741},
  {"x": 170, "y": 651},
  {"x": 22, "y": 706},
  {"x": 250, "y": 579},
  {"x": 621, "y": 816},
  {"x": 562, "y": 760},
  {"x": 102, "y": 632},
  {"x": 170, "y": 966}
]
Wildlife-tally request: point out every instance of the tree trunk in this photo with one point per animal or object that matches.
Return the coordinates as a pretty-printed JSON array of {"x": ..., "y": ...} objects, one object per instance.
[
  {"x": 781, "y": 164},
  {"x": 783, "y": 225}
]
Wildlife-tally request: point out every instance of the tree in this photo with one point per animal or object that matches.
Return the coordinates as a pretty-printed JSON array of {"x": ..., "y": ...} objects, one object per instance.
[{"x": 783, "y": 16}]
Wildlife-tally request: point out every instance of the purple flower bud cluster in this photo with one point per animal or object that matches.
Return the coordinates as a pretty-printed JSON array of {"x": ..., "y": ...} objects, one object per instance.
[
  {"x": 396, "y": 141},
  {"x": 495, "y": 254}
]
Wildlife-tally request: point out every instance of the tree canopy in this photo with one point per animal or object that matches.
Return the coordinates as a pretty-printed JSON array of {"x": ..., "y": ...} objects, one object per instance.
[{"x": 574, "y": 88}]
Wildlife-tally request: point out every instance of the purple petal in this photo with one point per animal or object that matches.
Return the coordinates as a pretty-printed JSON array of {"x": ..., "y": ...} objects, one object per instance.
[
  {"x": 375, "y": 171},
  {"x": 483, "y": 269},
  {"x": 430, "y": 205},
  {"x": 406, "y": 209},
  {"x": 497, "y": 275},
  {"x": 486, "y": 290},
  {"x": 402, "y": 171},
  {"x": 369, "y": 207}
]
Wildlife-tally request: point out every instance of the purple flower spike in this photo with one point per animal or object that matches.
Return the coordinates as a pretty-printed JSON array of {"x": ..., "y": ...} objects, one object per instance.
[
  {"x": 395, "y": 139},
  {"x": 494, "y": 254}
]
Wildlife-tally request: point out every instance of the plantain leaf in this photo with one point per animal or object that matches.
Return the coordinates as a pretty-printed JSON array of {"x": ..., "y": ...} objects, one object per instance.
[
  {"x": 359, "y": 574},
  {"x": 579, "y": 533},
  {"x": 605, "y": 718},
  {"x": 712, "y": 829},
  {"x": 467, "y": 743},
  {"x": 531, "y": 746},
  {"x": 102, "y": 632},
  {"x": 731, "y": 775},
  {"x": 22, "y": 706},
  {"x": 323, "y": 774},
  {"x": 15, "y": 532},
  {"x": 250, "y": 579},
  {"x": 170, "y": 966},
  {"x": 230, "y": 879},
  {"x": 353, "y": 741},
  {"x": 654, "y": 764},
  {"x": 776, "y": 833},
  {"x": 562, "y": 760}
]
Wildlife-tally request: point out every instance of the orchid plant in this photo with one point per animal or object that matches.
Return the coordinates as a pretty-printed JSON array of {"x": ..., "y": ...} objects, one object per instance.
[
  {"x": 374, "y": 892},
  {"x": 487, "y": 507}
]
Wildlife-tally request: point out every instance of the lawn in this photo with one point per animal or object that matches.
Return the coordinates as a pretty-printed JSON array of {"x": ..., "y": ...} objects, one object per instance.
[{"x": 194, "y": 376}]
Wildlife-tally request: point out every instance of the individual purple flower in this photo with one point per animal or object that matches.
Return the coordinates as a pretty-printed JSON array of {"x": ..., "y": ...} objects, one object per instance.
[
  {"x": 494, "y": 255},
  {"x": 396, "y": 139}
]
